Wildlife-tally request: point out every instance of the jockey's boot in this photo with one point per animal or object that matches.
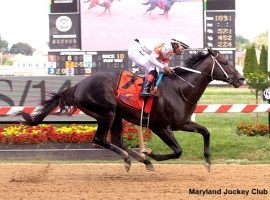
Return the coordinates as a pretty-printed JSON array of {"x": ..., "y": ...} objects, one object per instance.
[{"x": 147, "y": 84}]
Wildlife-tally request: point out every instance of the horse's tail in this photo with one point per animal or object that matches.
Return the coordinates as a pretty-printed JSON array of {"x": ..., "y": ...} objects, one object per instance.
[
  {"x": 146, "y": 3},
  {"x": 65, "y": 100}
]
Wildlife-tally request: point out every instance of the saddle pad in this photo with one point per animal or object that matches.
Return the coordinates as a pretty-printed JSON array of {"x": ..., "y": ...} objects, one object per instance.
[
  {"x": 161, "y": 4},
  {"x": 128, "y": 91}
]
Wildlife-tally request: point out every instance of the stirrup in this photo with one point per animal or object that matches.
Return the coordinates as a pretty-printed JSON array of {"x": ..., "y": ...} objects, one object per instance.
[{"x": 145, "y": 94}]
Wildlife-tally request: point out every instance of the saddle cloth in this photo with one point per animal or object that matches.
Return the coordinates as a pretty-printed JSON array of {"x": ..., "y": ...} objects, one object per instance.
[
  {"x": 128, "y": 91},
  {"x": 161, "y": 4}
]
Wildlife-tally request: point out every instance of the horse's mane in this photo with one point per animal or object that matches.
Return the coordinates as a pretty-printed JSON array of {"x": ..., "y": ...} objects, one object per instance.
[
  {"x": 195, "y": 58},
  {"x": 191, "y": 62}
]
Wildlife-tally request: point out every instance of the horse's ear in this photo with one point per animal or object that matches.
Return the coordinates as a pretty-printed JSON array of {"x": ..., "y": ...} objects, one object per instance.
[{"x": 210, "y": 51}]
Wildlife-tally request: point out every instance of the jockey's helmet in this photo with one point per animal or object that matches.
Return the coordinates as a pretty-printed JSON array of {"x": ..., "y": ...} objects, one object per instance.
[{"x": 181, "y": 41}]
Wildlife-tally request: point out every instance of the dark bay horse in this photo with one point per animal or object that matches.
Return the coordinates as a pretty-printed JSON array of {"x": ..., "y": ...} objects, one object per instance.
[
  {"x": 103, "y": 3},
  {"x": 164, "y": 5},
  {"x": 171, "y": 111}
]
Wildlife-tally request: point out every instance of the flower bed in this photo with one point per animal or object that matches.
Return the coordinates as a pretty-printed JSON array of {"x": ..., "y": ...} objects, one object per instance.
[
  {"x": 252, "y": 130},
  {"x": 42, "y": 134}
]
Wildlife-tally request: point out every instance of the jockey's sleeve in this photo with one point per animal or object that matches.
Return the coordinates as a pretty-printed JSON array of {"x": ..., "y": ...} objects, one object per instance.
[
  {"x": 153, "y": 59},
  {"x": 166, "y": 61}
]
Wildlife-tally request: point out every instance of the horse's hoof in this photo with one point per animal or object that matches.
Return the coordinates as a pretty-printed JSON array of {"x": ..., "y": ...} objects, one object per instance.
[
  {"x": 146, "y": 151},
  {"x": 127, "y": 164},
  {"x": 208, "y": 166},
  {"x": 143, "y": 155},
  {"x": 150, "y": 167}
]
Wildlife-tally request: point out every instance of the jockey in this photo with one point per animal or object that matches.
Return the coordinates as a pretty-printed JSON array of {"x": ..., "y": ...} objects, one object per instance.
[{"x": 153, "y": 57}]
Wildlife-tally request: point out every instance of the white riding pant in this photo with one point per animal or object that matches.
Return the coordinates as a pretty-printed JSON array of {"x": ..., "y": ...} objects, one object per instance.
[{"x": 140, "y": 58}]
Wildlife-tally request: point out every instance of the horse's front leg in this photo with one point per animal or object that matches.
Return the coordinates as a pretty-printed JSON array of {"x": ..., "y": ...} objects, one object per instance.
[
  {"x": 167, "y": 136},
  {"x": 194, "y": 127}
]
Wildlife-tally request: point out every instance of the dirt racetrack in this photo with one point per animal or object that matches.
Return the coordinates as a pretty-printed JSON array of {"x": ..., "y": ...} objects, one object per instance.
[{"x": 111, "y": 181}]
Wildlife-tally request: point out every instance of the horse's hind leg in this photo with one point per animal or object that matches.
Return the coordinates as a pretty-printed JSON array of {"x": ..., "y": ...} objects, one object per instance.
[
  {"x": 117, "y": 139},
  {"x": 100, "y": 138},
  {"x": 149, "y": 10}
]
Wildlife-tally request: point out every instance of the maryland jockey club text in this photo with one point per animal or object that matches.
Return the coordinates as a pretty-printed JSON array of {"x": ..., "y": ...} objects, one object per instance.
[{"x": 245, "y": 192}]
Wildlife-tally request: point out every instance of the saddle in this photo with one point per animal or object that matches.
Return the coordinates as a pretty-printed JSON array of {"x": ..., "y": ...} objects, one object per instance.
[{"x": 128, "y": 92}]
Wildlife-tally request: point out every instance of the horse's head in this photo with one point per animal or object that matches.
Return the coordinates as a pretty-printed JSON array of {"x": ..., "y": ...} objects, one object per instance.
[{"x": 223, "y": 71}]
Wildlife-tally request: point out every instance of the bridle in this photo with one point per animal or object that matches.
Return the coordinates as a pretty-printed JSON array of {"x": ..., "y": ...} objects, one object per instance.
[
  {"x": 211, "y": 75},
  {"x": 215, "y": 62}
]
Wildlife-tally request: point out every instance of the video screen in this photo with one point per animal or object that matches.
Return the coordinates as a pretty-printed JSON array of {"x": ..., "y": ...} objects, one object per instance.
[{"x": 108, "y": 25}]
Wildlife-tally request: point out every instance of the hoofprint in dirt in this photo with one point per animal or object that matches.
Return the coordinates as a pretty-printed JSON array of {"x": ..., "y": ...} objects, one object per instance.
[{"x": 111, "y": 181}]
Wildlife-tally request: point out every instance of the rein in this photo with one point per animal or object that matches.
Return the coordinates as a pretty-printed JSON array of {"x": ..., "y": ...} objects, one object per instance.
[
  {"x": 193, "y": 86},
  {"x": 183, "y": 79},
  {"x": 215, "y": 61}
]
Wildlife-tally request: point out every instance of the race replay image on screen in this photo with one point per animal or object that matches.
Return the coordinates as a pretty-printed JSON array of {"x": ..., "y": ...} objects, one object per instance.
[{"x": 117, "y": 26}]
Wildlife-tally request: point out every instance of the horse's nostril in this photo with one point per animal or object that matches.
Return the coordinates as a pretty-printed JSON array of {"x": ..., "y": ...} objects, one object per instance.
[{"x": 241, "y": 79}]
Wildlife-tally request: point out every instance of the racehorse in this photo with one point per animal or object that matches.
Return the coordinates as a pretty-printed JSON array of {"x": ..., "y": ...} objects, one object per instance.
[
  {"x": 103, "y": 3},
  {"x": 164, "y": 5},
  {"x": 178, "y": 94}
]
